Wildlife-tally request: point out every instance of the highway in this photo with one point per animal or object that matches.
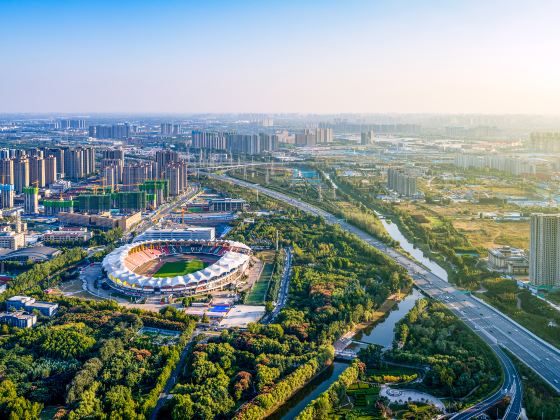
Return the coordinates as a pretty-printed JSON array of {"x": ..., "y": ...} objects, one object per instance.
[{"x": 490, "y": 324}]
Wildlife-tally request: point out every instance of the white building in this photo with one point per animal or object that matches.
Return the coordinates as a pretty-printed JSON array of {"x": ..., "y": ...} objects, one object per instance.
[
  {"x": 509, "y": 260},
  {"x": 10, "y": 239},
  {"x": 191, "y": 233}
]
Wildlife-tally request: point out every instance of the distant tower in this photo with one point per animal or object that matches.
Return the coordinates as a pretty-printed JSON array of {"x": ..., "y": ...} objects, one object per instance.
[{"x": 31, "y": 200}]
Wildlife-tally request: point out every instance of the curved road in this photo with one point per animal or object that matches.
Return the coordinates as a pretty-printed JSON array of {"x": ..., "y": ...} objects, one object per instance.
[{"x": 490, "y": 324}]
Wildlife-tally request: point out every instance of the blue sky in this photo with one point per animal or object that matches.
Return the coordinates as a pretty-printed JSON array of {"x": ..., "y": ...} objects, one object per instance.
[{"x": 280, "y": 56}]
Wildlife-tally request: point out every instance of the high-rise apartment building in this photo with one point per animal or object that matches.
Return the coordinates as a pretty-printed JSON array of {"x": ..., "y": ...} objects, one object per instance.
[
  {"x": 6, "y": 196},
  {"x": 31, "y": 200},
  {"x": 117, "y": 153},
  {"x": 307, "y": 138},
  {"x": 37, "y": 173},
  {"x": 367, "y": 137},
  {"x": 7, "y": 171},
  {"x": 324, "y": 135},
  {"x": 401, "y": 182},
  {"x": 164, "y": 158},
  {"x": 115, "y": 131},
  {"x": 544, "y": 255},
  {"x": 58, "y": 153},
  {"x": 7, "y": 153},
  {"x": 268, "y": 142},
  {"x": 248, "y": 144},
  {"x": 76, "y": 124},
  {"x": 545, "y": 142},
  {"x": 208, "y": 140},
  {"x": 112, "y": 164},
  {"x": 79, "y": 162},
  {"x": 166, "y": 129},
  {"x": 135, "y": 174},
  {"x": 51, "y": 174},
  {"x": 109, "y": 177},
  {"x": 21, "y": 174},
  {"x": 176, "y": 175}
]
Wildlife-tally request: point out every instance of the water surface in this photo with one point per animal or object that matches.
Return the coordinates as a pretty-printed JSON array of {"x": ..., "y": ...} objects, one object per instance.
[{"x": 394, "y": 232}]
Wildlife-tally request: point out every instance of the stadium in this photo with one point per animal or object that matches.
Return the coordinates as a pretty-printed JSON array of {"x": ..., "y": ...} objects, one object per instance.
[{"x": 178, "y": 267}]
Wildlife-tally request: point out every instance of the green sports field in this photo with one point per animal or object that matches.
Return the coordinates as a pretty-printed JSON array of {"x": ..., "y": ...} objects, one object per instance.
[
  {"x": 257, "y": 295},
  {"x": 179, "y": 268}
]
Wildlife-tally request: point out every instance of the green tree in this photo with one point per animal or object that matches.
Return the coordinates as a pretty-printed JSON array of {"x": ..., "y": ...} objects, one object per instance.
[
  {"x": 119, "y": 403},
  {"x": 14, "y": 407},
  {"x": 182, "y": 407}
]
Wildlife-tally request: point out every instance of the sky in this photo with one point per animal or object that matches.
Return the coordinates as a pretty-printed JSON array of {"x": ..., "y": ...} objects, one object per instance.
[{"x": 268, "y": 56}]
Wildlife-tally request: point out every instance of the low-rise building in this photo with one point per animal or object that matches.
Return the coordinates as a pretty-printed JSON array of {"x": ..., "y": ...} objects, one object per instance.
[
  {"x": 10, "y": 239},
  {"x": 29, "y": 304},
  {"x": 227, "y": 204},
  {"x": 68, "y": 235},
  {"x": 18, "y": 319},
  {"x": 509, "y": 260},
  {"x": 105, "y": 221}
]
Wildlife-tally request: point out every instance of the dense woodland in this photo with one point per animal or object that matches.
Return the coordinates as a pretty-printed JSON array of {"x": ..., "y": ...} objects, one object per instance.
[
  {"x": 89, "y": 361},
  {"x": 459, "y": 361}
]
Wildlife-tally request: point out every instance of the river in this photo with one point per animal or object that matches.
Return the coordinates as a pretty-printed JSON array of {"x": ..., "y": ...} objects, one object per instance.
[
  {"x": 382, "y": 333},
  {"x": 394, "y": 232}
]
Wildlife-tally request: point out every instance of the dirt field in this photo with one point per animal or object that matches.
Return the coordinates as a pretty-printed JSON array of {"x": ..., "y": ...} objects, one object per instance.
[
  {"x": 490, "y": 234},
  {"x": 481, "y": 233}
]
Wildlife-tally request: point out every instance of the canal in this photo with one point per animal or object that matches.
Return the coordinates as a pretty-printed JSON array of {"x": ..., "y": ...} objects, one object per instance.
[
  {"x": 382, "y": 333},
  {"x": 394, "y": 232}
]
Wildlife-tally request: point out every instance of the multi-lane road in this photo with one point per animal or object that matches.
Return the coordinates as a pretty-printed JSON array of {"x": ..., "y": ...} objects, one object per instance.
[
  {"x": 490, "y": 324},
  {"x": 284, "y": 287}
]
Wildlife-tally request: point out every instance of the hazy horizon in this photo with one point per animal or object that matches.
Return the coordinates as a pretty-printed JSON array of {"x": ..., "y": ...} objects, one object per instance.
[{"x": 385, "y": 57}]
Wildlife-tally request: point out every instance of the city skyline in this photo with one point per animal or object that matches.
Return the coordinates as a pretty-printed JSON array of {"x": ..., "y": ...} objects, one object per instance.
[{"x": 245, "y": 57}]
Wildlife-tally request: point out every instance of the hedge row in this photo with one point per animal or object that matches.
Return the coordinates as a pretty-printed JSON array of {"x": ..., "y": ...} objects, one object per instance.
[{"x": 264, "y": 404}]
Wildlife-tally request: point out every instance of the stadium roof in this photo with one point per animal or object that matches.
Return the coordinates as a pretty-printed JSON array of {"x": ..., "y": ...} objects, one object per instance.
[
  {"x": 35, "y": 253},
  {"x": 117, "y": 271}
]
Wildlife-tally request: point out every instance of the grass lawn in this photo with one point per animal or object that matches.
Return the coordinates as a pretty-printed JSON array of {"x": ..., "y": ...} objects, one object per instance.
[
  {"x": 180, "y": 268},
  {"x": 554, "y": 296},
  {"x": 257, "y": 295}
]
